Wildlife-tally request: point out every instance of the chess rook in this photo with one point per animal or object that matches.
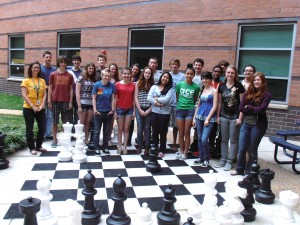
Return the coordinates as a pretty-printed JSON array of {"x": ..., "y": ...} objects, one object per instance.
[
  {"x": 118, "y": 216},
  {"x": 29, "y": 208},
  {"x": 91, "y": 214},
  {"x": 264, "y": 194}
]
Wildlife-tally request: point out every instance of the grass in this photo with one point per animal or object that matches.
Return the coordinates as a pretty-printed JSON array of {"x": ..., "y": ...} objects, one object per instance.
[
  {"x": 10, "y": 101},
  {"x": 14, "y": 128}
]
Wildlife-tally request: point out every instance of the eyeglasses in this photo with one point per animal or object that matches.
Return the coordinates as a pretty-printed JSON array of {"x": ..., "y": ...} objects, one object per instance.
[{"x": 35, "y": 67}]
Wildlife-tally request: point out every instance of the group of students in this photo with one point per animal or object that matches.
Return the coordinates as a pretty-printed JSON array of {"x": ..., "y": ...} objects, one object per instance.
[{"x": 182, "y": 100}]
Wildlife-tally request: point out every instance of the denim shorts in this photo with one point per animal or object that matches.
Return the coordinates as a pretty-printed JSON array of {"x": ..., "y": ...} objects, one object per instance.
[
  {"x": 124, "y": 112},
  {"x": 185, "y": 114}
]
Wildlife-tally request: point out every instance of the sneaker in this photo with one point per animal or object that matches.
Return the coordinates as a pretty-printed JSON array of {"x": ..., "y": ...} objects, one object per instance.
[
  {"x": 54, "y": 144},
  {"x": 106, "y": 152},
  {"x": 178, "y": 155},
  {"x": 97, "y": 153},
  {"x": 161, "y": 155},
  {"x": 220, "y": 164},
  {"x": 228, "y": 166},
  {"x": 198, "y": 161},
  {"x": 205, "y": 164},
  {"x": 182, "y": 157}
]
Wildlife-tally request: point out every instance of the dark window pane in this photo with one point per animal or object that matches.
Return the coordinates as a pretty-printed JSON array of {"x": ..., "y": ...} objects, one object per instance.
[
  {"x": 273, "y": 36},
  {"x": 17, "y": 42},
  {"x": 17, "y": 57},
  {"x": 147, "y": 38},
  {"x": 17, "y": 71},
  {"x": 278, "y": 88},
  {"x": 142, "y": 57},
  {"x": 71, "y": 40},
  {"x": 271, "y": 63},
  {"x": 69, "y": 54}
]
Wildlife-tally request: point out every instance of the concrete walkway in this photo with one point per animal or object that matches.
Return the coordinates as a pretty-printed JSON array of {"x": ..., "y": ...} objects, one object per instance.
[{"x": 11, "y": 112}]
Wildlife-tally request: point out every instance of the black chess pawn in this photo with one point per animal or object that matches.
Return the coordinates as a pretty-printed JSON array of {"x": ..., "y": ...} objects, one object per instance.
[
  {"x": 153, "y": 166},
  {"x": 189, "y": 221},
  {"x": 29, "y": 208},
  {"x": 91, "y": 214},
  {"x": 168, "y": 215},
  {"x": 264, "y": 194},
  {"x": 253, "y": 176},
  {"x": 118, "y": 215},
  {"x": 249, "y": 212}
]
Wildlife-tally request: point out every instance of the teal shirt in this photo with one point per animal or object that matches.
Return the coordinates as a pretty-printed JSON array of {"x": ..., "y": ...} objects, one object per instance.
[{"x": 187, "y": 93}]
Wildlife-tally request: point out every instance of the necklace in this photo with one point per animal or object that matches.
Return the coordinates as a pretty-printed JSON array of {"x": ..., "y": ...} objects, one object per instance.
[{"x": 37, "y": 88}]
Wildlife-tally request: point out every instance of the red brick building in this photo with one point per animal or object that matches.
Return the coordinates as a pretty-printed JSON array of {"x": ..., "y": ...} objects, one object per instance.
[{"x": 259, "y": 32}]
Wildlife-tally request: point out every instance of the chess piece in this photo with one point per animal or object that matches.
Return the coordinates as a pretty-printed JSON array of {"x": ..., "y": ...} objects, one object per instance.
[
  {"x": 253, "y": 176},
  {"x": 3, "y": 161},
  {"x": 234, "y": 193},
  {"x": 114, "y": 139},
  {"x": 196, "y": 211},
  {"x": 264, "y": 194},
  {"x": 249, "y": 212},
  {"x": 74, "y": 212},
  {"x": 168, "y": 215},
  {"x": 118, "y": 215},
  {"x": 153, "y": 166},
  {"x": 65, "y": 154},
  {"x": 224, "y": 214},
  {"x": 144, "y": 215},
  {"x": 211, "y": 181},
  {"x": 91, "y": 214},
  {"x": 29, "y": 207},
  {"x": 189, "y": 221},
  {"x": 67, "y": 127},
  {"x": 210, "y": 207},
  {"x": 289, "y": 200},
  {"x": 45, "y": 216},
  {"x": 79, "y": 152}
]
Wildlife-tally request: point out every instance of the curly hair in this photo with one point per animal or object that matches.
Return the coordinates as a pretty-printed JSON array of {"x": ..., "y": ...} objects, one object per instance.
[
  {"x": 253, "y": 94},
  {"x": 144, "y": 84}
]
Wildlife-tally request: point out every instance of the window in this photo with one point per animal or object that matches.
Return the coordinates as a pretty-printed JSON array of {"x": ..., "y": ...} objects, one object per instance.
[
  {"x": 144, "y": 44},
  {"x": 69, "y": 45},
  {"x": 270, "y": 49},
  {"x": 16, "y": 55}
]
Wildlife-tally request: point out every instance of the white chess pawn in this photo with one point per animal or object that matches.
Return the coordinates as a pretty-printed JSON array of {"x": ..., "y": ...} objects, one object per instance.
[
  {"x": 114, "y": 140},
  {"x": 234, "y": 193},
  {"x": 224, "y": 214},
  {"x": 210, "y": 207},
  {"x": 45, "y": 216},
  {"x": 65, "y": 154},
  {"x": 74, "y": 212},
  {"x": 211, "y": 181},
  {"x": 145, "y": 215},
  {"x": 79, "y": 152},
  {"x": 196, "y": 211},
  {"x": 289, "y": 200}
]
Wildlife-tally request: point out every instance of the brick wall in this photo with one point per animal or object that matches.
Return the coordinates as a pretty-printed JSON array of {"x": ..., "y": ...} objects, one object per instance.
[{"x": 10, "y": 86}]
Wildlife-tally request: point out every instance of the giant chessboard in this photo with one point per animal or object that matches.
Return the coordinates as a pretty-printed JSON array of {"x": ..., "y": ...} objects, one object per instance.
[{"x": 141, "y": 186}]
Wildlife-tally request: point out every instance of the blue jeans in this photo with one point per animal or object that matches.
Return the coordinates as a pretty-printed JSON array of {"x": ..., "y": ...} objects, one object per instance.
[
  {"x": 229, "y": 131},
  {"x": 48, "y": 132},
  {"x": 203, "y": 138},
  {"x": 143, "y": 127},
  {"x": 99, "y": 120},
  {"x": 250, "y": 137}
]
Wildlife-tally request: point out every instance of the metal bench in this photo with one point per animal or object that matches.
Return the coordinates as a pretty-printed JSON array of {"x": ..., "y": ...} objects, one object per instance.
[
  {"x": 285, "y": 134},
  {"x": 288, "y": 146}
]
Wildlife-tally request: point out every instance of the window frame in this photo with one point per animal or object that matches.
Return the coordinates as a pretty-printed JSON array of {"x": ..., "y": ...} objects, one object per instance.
[
  {"x": 10, "y": 64},
  {"x": 146, "y": 48},
  {"x": 291, "y": 49},
  {"x": 66, "y": 49}
]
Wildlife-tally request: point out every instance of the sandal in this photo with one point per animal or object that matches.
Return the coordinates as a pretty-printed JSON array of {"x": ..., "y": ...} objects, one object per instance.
[
  {"x": 41, "y": 150},
  {"x": 125, "y": 152},
  {"x": 119, "y": 150},
  {"x": 33, "y": 152},
  {"x": 174, "y": 148}
]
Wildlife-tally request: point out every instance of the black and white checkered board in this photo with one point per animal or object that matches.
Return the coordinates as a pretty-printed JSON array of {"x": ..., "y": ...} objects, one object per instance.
[{"x": 141, "y": 186}]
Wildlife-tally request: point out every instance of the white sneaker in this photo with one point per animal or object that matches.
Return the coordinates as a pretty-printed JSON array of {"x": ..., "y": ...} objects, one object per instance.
[
  {"x": 182, "y": 157},
  {"x": 178, "y": 155}
]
